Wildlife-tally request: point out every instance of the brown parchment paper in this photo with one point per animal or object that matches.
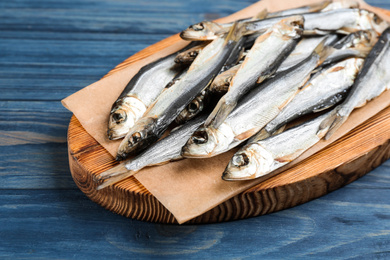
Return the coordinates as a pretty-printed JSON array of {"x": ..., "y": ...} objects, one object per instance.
[{"x": 190, "y": 187}]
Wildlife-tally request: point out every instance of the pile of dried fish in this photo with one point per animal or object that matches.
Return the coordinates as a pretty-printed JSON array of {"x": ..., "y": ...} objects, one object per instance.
[{"x": 276, "y": 83}]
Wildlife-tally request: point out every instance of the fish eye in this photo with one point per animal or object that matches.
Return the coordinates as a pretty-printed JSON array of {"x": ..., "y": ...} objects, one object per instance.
[
  {"x": 193, "y": 106},
  {"x": 136, "y": 137},
  {"x": 240, "y": 160},
  {"x": 193, "y": 54},
  {"x": 119, "y": 117},
  {"x": 377, "y": 19},
  {"x": 197, "y": 27},
  {"x": 200, "y": 137}
]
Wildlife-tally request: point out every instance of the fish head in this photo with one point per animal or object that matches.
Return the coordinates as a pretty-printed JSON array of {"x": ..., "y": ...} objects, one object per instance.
[
  {"x": 141, "y": 135},
  {"x": 363, "y": 38},
  {"x": 202, "y": 31},
  {"x": 124, "y": 113},
  {"x": 186, "y": 57},
  {"x": 251, "y": 162},
  {"x": 208, "y": 142},
  {"x": 192, "y": 109},
  {"x": 290, "y": 27},
  {"x": 369, "y": 20}
]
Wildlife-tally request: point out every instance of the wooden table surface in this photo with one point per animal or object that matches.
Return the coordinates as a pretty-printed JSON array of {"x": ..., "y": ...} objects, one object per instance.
[{"x": 50, "y": 49}]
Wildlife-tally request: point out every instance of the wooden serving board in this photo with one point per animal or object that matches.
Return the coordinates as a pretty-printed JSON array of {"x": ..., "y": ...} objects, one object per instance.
[{"x": 342, "y": 162}]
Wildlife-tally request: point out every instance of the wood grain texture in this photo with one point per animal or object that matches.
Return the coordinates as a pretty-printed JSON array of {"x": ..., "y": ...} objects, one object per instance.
[
  {"x": 354, "y": 155},
  {"x": 44, "y": 215},
  {"x": 348, "y": 159}
]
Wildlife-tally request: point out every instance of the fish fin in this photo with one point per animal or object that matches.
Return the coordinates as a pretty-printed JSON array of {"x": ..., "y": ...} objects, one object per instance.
[
  {"x": 285, "y": 103},
  {"x": 261, "y": 15},
  {"x": 279, "y": 130},
  {"x": 362, "y": 51},
  {"x": 220, "y": 113},
  {"x": 290, "y": 157},
  {"x": 247, "y": 134},
  {"x": 119, "y": 169},
  {"x": 323, "y": 51},
  {"x": 261, "y": 135},
  {"x": 319, "y": 6},
  {"x": 331, "y": 123},
  {"x": 235, "y": 33},
  {"x": 264, "y": 133},
  {"x": 346, "y": 30},
  {"x": 116, "y": 179},
  {"x": 263, "y": 77}
]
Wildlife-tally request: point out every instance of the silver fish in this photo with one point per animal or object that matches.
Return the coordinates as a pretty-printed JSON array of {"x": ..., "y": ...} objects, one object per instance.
[
  {"x": 340, "y": 21},
  {"x": 304, "y": 48},
  {"x": 334, "y": 5},
  {"x": 172, "y": 101},
  {"x": 259, "y": 158},
  {"x": 222, "y": 82},
  {"x": 166, "y": 150},
  {"x": 254, "y": 110},
  {"x": 263, "y": 59},
  {"x": 324, "y": 90},
  {"x": 372, "y": 81},
  {"x": 317, "y": 7},
  {"x": 196, "y": 106},
  {"x": 207, "y": 30},
  {"x": 140, "y": 93},
  {"x": 357, "y": 44},
  {"x": 188, "y": 56},
  {"x": 205, "y": 99}
]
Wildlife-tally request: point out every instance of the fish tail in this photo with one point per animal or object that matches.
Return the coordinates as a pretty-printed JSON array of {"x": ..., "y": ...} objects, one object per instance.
[
  {"x": 219, "y": 114},
  {"x": 235, "y": 33},
  {"x": 261, "y": 15},
  {"x": 119, "y": 169},
  {"x": 323, "y": 51},
  {"x": 117, "y": 178},
  {"x": 331, "y": 123},
  {"x": 319, "y": 6},
  {"x": 361, "y": 51}
]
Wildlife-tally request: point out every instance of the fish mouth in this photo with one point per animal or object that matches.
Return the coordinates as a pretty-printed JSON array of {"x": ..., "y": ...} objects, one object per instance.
[
  {"x": 196, "y": 36},
  {"x": 230, "y": 176},
  {"x": 113, "y": 135}
]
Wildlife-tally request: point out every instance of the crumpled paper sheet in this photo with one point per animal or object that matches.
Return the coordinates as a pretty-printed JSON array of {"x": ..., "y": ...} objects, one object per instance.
[{"x": 190, "y": 187}]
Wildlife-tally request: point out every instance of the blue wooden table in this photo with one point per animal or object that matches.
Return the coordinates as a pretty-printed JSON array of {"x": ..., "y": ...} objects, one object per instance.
[{"x": 50, "y": 49}]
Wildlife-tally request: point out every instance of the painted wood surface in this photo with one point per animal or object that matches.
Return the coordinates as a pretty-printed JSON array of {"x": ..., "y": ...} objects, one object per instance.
[{"x": 50, "y": 49}]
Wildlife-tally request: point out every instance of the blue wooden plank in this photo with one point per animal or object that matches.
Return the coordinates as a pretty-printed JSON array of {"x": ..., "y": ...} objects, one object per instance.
[
  {"x": 33, "y": 146},
  {"x": 50, "y": 49},
  {"x": 40, "y": 223}
]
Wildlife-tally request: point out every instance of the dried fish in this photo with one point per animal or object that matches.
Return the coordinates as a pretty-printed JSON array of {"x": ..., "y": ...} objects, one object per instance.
[
  {"x": 172, "y": 101},
  {"x": 254, "y": 110},
  {"x": 340, "y": 21},
  {"x": 263, "y": 59},
  {"x": 324, "y": 90},
  {"x": 259, "y": 158},
  {"x": 166, "y": 150},
  {"x": 140, "y": 93},
  {"x": 372, "y": 80}
]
